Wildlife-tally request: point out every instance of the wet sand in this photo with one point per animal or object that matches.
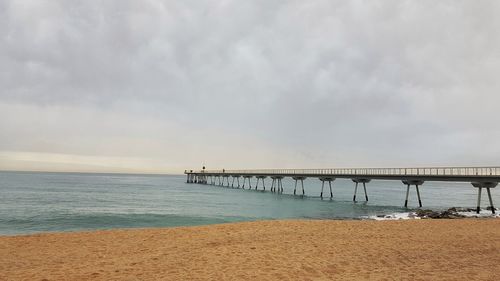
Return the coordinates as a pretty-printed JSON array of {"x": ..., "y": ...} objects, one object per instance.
[{"x": 467, "y": 249}]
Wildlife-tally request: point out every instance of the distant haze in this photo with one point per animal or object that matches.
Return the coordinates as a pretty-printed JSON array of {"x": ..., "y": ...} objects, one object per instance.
[{"x": 162, "y": 86}]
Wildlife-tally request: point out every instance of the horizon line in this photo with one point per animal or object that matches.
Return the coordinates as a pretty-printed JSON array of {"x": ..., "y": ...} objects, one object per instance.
[{"x": 88, "y": 172}]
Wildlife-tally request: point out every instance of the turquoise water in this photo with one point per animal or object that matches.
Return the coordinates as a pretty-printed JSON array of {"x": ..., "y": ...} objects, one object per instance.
[{"x": 37, "y": 202}]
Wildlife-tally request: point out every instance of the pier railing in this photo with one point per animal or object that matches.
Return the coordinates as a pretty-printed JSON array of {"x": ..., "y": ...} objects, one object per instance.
[{"x": 427, "y": 171}]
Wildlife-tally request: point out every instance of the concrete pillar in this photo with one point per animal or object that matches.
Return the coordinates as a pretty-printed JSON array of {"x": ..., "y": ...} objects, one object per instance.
[
  {"x": 416, "y": 183},
  {"x": 261, "y": 178},
  {"x": 297, "y": 179},
  {"x": 488, "y": 186},
  {"x": 329, "y": 180},
  {"x": 364, "y": 181}
]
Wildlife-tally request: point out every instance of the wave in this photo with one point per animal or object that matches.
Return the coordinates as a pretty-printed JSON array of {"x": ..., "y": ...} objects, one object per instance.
[{"x": 94, "y": 221}]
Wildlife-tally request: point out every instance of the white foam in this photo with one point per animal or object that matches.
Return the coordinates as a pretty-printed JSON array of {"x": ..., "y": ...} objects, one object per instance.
[
  {"x": 482, "y": 214},
  {"x": 396, "y": 216}
]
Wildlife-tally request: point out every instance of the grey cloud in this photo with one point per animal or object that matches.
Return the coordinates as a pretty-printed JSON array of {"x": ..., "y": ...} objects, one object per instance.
[{"x": 340, "y": 82}]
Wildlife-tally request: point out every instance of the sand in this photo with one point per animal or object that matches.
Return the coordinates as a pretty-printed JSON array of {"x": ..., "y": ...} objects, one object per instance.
[{"x": 466, "y": 249}]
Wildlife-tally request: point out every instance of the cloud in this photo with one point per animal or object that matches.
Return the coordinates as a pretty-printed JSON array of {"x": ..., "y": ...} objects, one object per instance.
[{"x": 323, "y": 83}]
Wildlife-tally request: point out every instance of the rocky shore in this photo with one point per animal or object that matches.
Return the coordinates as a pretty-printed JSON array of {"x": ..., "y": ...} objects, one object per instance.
[{"x": 451, "y": 213}]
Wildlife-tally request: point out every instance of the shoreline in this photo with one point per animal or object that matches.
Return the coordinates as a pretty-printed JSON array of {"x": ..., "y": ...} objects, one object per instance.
[
  {"x": 410, "y": 215},
  {"x": 272, "y": 250}
]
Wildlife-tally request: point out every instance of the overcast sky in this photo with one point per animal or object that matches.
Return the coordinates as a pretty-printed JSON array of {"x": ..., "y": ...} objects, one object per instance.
[{"x": 161, "y": 86}]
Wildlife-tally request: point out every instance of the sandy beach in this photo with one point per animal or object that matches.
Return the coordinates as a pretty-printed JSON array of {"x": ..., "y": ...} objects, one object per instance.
[{"x": 267, "y": 250}]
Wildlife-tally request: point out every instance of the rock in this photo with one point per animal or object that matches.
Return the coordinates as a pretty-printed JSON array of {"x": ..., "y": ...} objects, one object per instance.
[
  {"x": 434, "y": 215},
  {"x": 453, "y": 215},
  {"x": 424, "y": 213},
  {"x": 448, "y": 214}
]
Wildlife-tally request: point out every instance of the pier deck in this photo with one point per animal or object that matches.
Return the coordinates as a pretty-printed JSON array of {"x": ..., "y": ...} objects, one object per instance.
[{"x": 479, "y": 177}]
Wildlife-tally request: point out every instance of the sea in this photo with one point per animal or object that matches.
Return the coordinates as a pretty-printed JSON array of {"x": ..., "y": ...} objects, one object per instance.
[{"x": 33, "y": 202}]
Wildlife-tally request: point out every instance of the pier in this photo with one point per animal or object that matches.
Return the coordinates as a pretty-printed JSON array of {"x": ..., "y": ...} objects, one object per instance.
[{"x": 480, "y": 178}]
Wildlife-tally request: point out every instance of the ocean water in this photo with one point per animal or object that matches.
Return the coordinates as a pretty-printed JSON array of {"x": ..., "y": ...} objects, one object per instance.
[{"x": 39, "y": 202}]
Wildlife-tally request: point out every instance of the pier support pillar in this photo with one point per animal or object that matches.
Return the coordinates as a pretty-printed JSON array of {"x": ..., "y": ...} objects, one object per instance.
[
  {"x": 416, "y": 183},
  {"x": 407, "y": 194},
  {"x": 364, "y": 182},
  {"x": 202, "y": 179},
  {"x": 276, "y": 185},
  {"x": 249, "y": 182},
  {"x": 491, "y": 201},
  {"x": 488, "y": 186},
  {"x": 261, "y": 178},
  {"x": 237, "y": 177},
  {"x": 329, "y": 180},
  {"x": 297, "y": 179},
  {"x": 225, "y": 179}
]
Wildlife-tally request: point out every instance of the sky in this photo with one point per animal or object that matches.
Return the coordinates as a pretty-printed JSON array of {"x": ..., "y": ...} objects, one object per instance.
[{"x": 161, "y": 86}]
